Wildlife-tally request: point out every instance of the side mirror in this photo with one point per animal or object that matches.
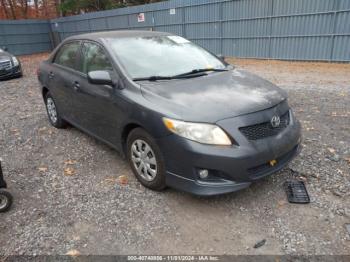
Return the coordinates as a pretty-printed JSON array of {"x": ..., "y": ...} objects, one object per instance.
[
  {"x": 100, "y": 78},
  {"x": 222, "y": 58}
]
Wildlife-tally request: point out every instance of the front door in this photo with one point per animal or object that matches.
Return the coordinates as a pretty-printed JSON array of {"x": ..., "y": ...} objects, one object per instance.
[{"x": 100, "y": 107}]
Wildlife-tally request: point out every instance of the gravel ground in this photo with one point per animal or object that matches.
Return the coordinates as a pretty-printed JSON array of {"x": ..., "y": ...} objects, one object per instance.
[{"x": 74, "y": 194}]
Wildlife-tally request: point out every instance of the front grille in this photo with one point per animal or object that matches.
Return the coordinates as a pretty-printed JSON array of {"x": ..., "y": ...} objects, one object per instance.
[
  {"x": 5, "y": 65},
  {"x": 263, "y": 130}
]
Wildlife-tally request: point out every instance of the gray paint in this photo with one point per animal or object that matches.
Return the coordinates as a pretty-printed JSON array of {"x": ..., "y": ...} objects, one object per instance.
[
  {"x": 236, "y": 99},
  {"x": 278, "y": 29}
]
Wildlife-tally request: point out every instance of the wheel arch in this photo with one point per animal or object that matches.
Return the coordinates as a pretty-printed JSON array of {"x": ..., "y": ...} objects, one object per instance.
[
  {"x": 125, "y": 133},
  {"x": 44, "y": 91}
]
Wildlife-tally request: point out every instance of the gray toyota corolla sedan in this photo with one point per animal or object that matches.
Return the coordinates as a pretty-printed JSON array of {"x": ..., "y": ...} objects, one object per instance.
[{"x": 181, "y": 116}]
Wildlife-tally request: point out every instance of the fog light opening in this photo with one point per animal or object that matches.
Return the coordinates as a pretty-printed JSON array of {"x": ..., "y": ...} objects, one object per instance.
[{"x": 203, "y": 173}]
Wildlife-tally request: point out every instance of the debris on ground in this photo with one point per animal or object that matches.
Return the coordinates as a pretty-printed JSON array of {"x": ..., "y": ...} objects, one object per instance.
[
  {"x": 42, "y": 169},
  {"x": 69, "y": 171},
  {"x": 70, "y": 162},
  {"x": 296, "y": 192},
  {"x": 260, "y": 243},
  {"x": 123, "y": 180},
  {"x": 73, "y": 253}
]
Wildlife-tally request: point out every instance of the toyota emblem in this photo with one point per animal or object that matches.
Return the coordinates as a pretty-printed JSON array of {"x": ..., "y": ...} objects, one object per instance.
[{"x": 275, "y": 121}]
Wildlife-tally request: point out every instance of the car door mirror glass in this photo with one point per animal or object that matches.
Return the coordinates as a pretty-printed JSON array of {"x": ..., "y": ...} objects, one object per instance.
[{"x": 100, "y": 78}]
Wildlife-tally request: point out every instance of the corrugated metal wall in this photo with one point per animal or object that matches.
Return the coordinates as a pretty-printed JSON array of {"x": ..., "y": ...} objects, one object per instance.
[
  {"x": 278, "y": 29},
  {"x": 25, "y": 36}
]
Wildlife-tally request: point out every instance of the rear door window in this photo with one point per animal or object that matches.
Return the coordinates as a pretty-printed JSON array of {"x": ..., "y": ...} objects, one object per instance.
[
  {"x": 94, "y": 58},
  {"x": 68, "y": 54}
]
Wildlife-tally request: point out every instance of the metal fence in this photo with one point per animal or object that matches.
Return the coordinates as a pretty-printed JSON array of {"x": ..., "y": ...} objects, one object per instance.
[
  {"x": 276, "y": 29},
  {"x": 25, "y": 36}
]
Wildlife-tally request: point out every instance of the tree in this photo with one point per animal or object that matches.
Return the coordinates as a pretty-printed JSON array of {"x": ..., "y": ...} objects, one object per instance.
[
  {"x": 4, "y": 10},
  {"x": 141, "y": 2},
  {"x": 73, "y": 7},
  {"x": 23, "y": 9},
  {"x": 12, "y": 9},
  {"x": 23, "y": 5}
]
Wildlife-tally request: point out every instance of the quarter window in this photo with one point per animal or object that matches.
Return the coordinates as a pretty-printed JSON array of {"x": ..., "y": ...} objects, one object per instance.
[
  {"x": 94, "y": 58},
  {"x": 67, "y": 55}
]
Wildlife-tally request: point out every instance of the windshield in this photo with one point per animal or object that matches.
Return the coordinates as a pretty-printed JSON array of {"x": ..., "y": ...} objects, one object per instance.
[{"x": 144, "y": 57}]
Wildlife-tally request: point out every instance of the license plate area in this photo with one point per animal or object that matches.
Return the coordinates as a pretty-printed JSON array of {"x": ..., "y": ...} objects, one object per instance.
[{"x": 273, "y": 162}]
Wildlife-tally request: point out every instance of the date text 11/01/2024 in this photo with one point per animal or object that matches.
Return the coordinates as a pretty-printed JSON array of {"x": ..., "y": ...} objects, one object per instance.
[{"x": 173, "y": 258}]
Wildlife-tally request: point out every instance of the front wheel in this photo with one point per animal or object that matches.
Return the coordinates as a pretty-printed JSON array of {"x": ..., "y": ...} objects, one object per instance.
[{"x": 146, "y": 159}]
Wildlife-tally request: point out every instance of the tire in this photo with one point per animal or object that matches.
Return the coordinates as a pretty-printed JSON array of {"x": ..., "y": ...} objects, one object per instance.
[
  {"x": 5, "y": 200},
  {"x": 53, "y": 113},
  {"x": 150, "y": 160}
]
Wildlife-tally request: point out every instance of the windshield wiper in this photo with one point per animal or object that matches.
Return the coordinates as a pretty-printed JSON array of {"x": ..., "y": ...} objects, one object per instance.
[
  {"x": 193, "y": 73},
  {"x": 196, "y": 71},
  {"x": 156, "y": 78},
  {"x": 153, "y": 78}
]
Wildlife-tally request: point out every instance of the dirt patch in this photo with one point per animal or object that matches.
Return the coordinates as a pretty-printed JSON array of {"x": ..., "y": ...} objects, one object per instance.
[{"x": 88, "y": 209}]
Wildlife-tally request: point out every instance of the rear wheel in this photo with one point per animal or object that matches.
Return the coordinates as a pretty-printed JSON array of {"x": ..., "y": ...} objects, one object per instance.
[
  {"x": 52, "y": 112},
  {"x": 146, "y": 160}
]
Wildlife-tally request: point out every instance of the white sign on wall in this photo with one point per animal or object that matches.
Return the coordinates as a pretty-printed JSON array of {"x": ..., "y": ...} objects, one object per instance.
[
  {"x": 141, "y": 17},
  {"x": 172, "y": 11}
]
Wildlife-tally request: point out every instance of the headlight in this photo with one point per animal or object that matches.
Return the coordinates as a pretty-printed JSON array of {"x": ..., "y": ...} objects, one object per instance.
[
  {"x": 15, "y": 61},
  {"x": 202, "y": 133}
]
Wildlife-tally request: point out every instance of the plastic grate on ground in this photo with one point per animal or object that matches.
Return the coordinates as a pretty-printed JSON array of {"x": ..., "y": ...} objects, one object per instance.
[{"x": 296, "y": 192}]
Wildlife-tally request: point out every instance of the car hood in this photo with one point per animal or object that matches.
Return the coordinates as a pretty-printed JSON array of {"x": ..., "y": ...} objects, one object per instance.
[
  {"x": 5, "y": 56},
  {"x": 210, "y": 98}
]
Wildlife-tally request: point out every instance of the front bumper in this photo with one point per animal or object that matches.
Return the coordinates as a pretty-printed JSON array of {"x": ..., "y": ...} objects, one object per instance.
[
  {"x": 13, "y": 72},
  {"x": 231, "y": 168}
]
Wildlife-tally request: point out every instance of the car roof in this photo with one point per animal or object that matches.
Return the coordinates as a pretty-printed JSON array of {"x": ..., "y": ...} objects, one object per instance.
[{"x": 117, "y": 34}]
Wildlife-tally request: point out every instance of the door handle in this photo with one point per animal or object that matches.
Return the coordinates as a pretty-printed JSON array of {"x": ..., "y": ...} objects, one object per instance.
[
  {"x": 76, "y": 86},
  {"x": 51, "y": 75}
]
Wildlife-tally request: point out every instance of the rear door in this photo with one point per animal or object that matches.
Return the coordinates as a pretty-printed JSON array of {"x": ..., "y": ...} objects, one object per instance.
[{"x": 62, "y": 73}]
